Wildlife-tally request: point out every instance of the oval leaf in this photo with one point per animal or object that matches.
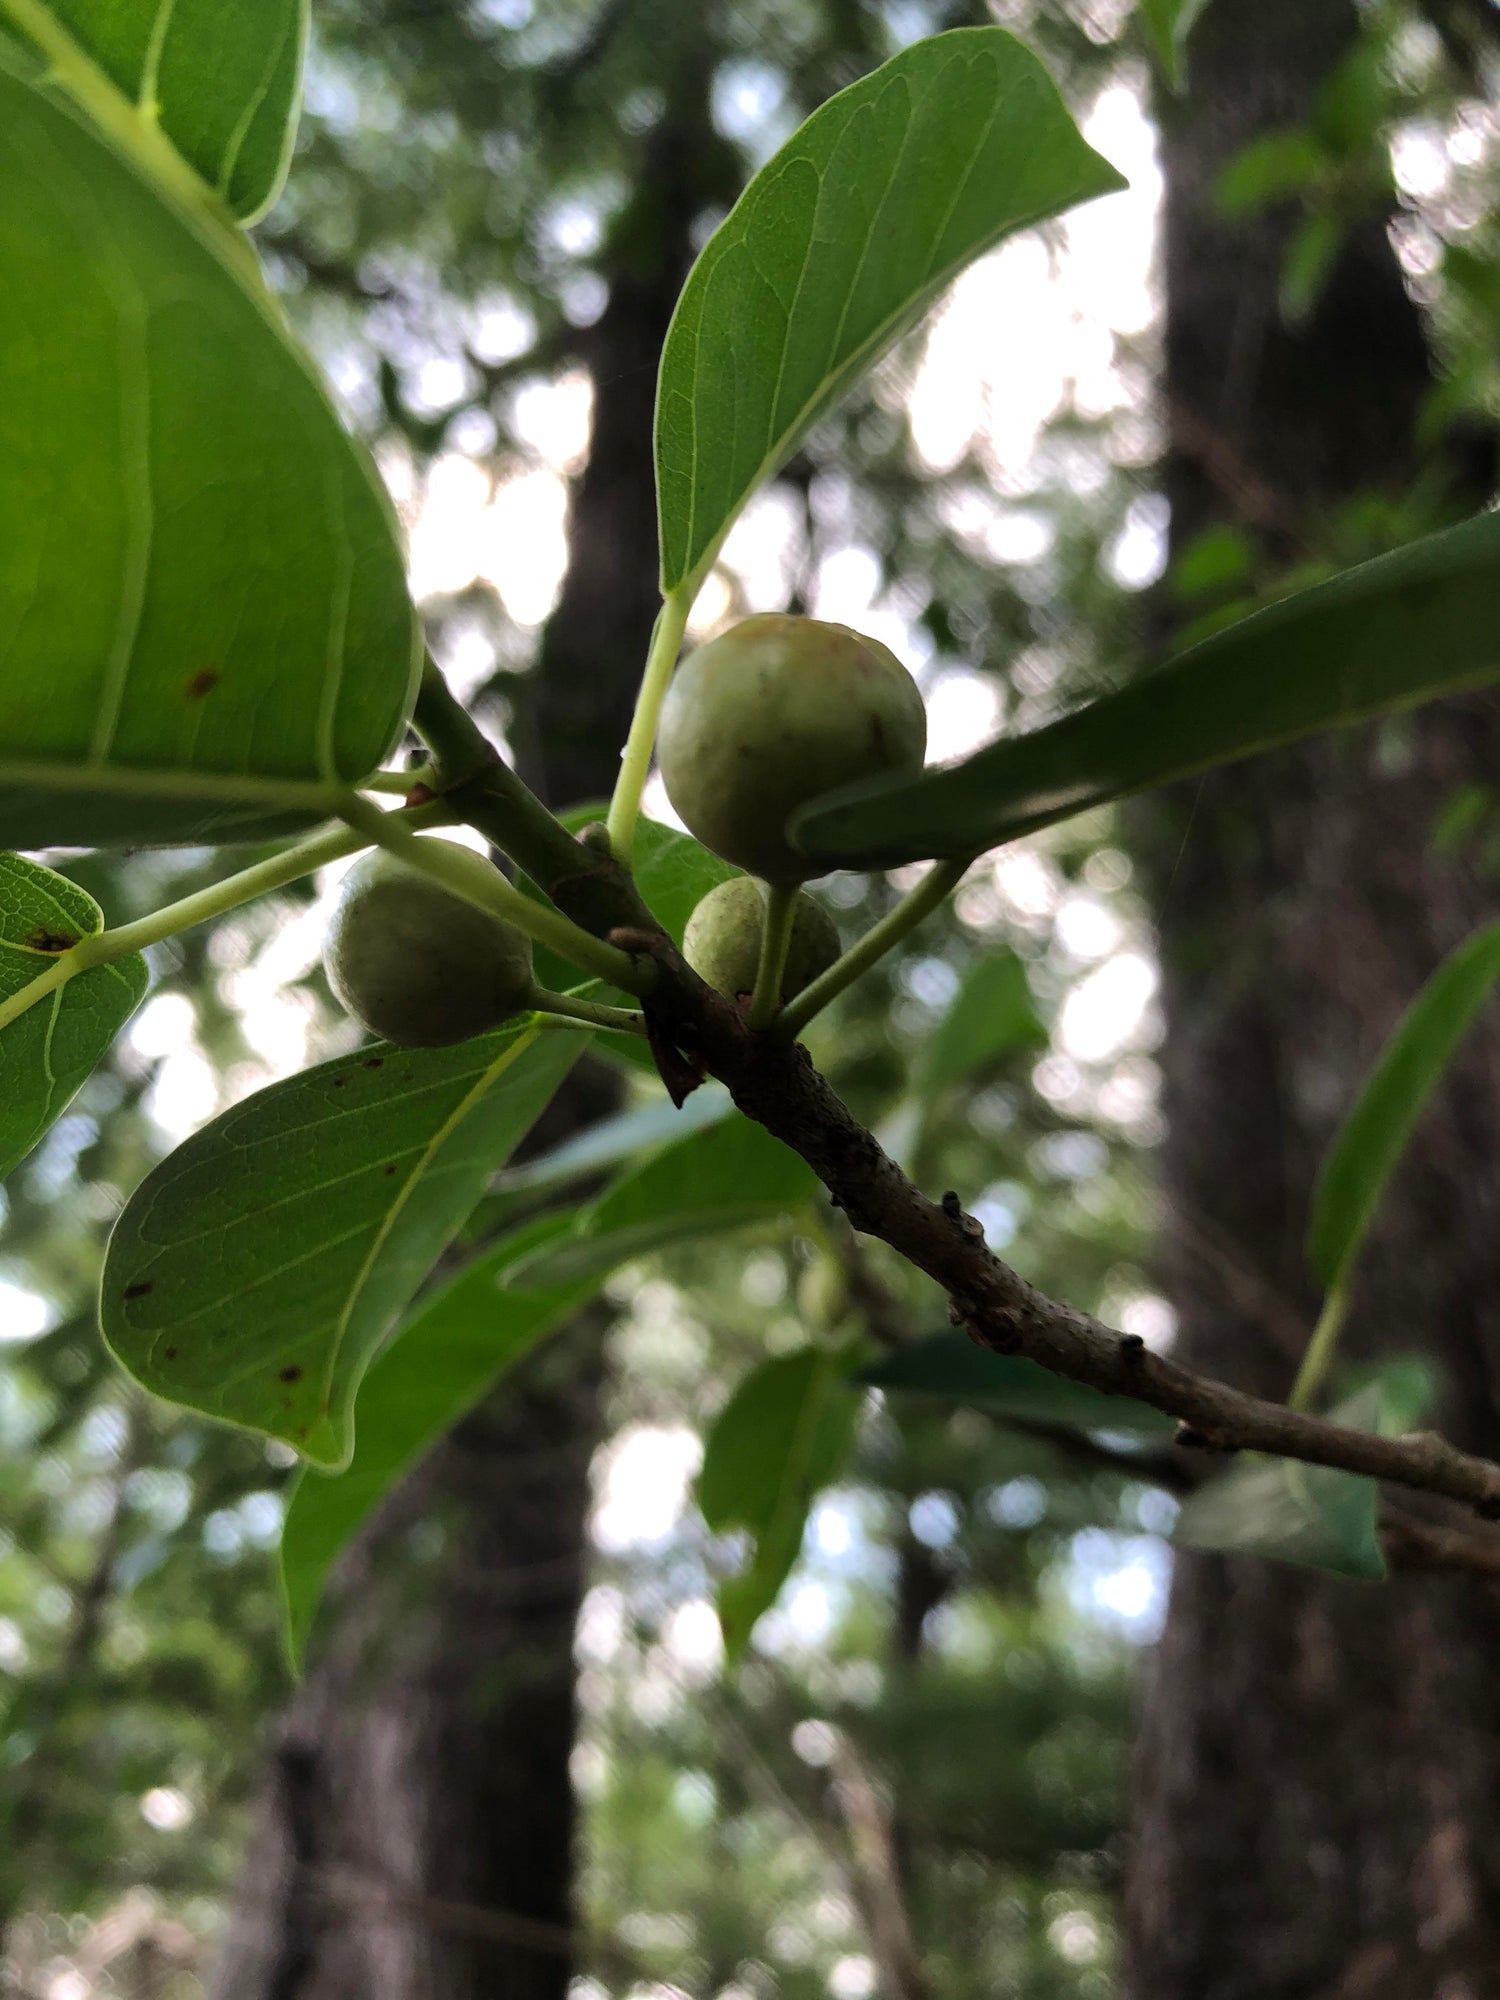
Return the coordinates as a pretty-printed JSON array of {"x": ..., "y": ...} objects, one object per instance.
[
  {"x": 835, "y": 248},
  {"x": 730, "y": 1176},
  {"x": 952, "y": 1365},
  {"x": 449, "y": 1354},
  {"x": 221, "y": 82},
  {"x": 203, "y": 614},
  {"x": 46, "y": 1054},
  {"x": 783, "y": 1434},
  {"x": 254, "y": 1272},
  {"x": 1374, "y": 1135},
  {"x": 1422, "y": 622}
]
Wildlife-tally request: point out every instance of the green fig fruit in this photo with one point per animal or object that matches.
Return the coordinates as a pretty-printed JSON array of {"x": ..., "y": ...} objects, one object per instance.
[
  {"x": 771, "y": 714},
  {"x": 418, "y": 965},
  {"x": 722, "y": 942}
]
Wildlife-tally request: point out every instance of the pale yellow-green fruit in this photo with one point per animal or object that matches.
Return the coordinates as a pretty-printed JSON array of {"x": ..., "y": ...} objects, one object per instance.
[
  {"x": 769, "y": 715},
  {"x": 722, "y": 940},
  {"x": 418, "y": 965}
]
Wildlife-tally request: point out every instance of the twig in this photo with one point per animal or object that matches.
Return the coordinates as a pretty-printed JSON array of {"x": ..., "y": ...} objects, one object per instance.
[{"x": 877, "y": 1875}]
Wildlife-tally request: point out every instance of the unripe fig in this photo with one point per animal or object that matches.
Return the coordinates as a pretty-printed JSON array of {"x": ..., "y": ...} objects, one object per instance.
[
  {"x": 722, "y": 942},
  {"x": 770, "y": 714},
  {"x": 415, "y": 963}
]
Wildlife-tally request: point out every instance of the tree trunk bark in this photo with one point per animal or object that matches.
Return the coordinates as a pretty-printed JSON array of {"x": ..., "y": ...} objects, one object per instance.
[
  {"x": 1317, "y": 1812},
  {"x": 414, "y": 1839}
]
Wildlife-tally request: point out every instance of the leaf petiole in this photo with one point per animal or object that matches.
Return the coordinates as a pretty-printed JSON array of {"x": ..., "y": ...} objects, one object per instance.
[
  {"x": 105, "y": 947},
  {"x": 635, "y": 763},
  {"x": 935, "y": 887},
  {"x": 590, "y": 1013}
]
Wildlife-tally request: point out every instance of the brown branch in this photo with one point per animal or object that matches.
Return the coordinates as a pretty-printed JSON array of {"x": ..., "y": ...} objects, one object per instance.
[
  {"x": 776, "y": 1084},
  {"x": 1426, "y": 1545},
  {"x": 877, "y": 1875}
]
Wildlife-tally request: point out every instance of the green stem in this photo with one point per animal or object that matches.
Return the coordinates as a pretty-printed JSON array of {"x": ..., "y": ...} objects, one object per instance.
[
  {"x": 625, "y": 1020},
  {"x": 1320, "y": 1351},
  {"x": 501, "y": 898},
  {"x": 105, "y": 947},
  {"x": 775, "y": 941},
  {"x": 635, "y": 764},
  {"x": 935, "y": 887},
  {"x": 401, "y": 782}
]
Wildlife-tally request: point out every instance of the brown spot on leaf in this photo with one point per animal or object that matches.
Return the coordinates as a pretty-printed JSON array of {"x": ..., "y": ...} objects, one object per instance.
[
  {"x": 339, "y": 1082},
  {"x": 140, "y": 1289},
  {"x": 291, "y": 1373},
  {"x": 390, "y": 1170},
  {"x": 170, "y": 1353},
  {"x": 41, "y": 939},
  {"x": 375, "y": 1062},
  {"x": 204, "y": 682}
]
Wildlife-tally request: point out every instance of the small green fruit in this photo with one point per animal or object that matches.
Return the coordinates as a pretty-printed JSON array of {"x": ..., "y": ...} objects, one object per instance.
[
  {"x": 416, "y": 964},
  {"x": 722, "y": 942},
  {"x": 769, "y": 715}
]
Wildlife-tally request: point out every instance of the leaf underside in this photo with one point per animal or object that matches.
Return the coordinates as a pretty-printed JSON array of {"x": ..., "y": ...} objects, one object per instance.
[
  {"x": 836, "y": 247},
  {"x": 204, "y": 624},
  {"x": 1405, "y": 628},
  {"x": 47, "y": 1053},
  {"x": 254, "y": 1273},
  {"x": 224, "y": 81}
]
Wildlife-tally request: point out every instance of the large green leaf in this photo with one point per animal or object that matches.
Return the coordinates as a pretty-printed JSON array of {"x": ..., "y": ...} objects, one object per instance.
[
  {"x": 835, "y": 248},
  {"x": 782, "y": 1435},
  {"x": 731, "y": 1175},
  {"x": 1421, "y": 622},
  {"x": 1374, "y": 1135},
  {"x": 449, "y": 1353},
  {"x": 255, "y": 1272},
  {"x": 47, "y": 1053},
  {"x": 220, "y": 81},
  {"x": 204, "y": 624},
  {"x": 954, "y": 1366}
]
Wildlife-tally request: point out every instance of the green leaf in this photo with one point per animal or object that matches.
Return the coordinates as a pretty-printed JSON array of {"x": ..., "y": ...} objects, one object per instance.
[
  {"x": 1308, "y": 1514},
  {"x": 1374, "y": 1135},
  {"x": 203, "y": 615},
  {"x": 732, "y": 1175},
  {"x": 255, "y": 1272},
  {"x": 448, "y": 1355},
  {"x": 954, "y": 1366},
  {"x": 837, "y": 246},
  {"x": 224, "y": 81},
  {"x": 620, "y": 1138},
  {"x": 1168, "y": 23},
  {"x": 992, "y": 1011},
  {"x": 783, "y": 1434},
  {"x": 1421, "y": 622},
  {"x": 1295, "y": 1513},
  {"x": 46, "y": 1054}
]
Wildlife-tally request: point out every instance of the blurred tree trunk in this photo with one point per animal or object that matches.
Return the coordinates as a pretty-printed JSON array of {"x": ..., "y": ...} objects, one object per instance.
[
  {"x": 415, "y": 1837},
  {"x": 1318, "y": 1789}
]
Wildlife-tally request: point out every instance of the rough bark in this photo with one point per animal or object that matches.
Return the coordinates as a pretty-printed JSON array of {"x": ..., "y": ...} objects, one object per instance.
[
  {"x": 414, "y": 1840},
  {"x": 1318, "y": 1786}
]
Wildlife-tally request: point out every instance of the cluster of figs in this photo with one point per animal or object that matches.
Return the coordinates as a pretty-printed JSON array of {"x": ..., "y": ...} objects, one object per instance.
[{"x": 758, "y": 721}]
